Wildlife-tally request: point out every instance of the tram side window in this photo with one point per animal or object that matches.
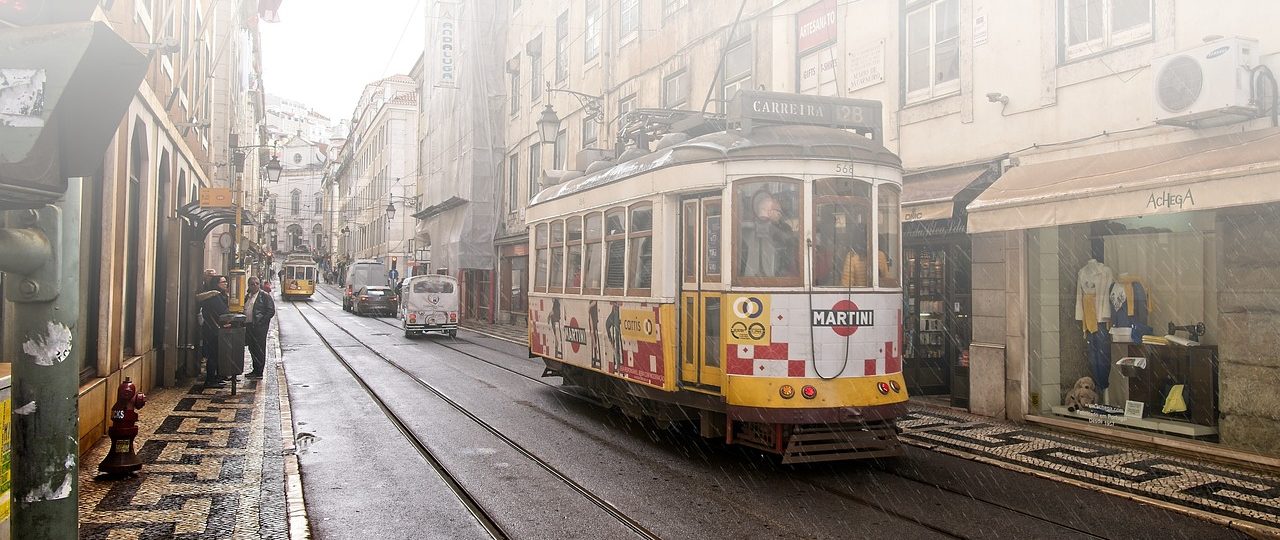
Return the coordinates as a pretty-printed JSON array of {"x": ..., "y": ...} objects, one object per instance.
[
  {"x": 842, "y": 232},
  {"x": 594, "y": 235},
  {"x": 311, "y": 274},
  {"x": 540, "y": 244},
  {"x": 890, "y": 231},
  {"x": 641, "y": 238},
  {"x": 768, "y": 229},
  {"x": 557, "y": 256},
  {"x": 573, "y": 249},
  {"x": 615, "y": 245}
]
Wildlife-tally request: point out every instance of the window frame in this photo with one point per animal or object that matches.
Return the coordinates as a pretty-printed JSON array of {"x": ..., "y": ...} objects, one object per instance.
[
  {"x": 683, "y": 75},
  {"x": 535, "y": 164},
  {"x": 867, "y": 207},
  {"x": 633, "y": 236},
  {"x": 535, "y": 69},
  {"x": 595, "y": 132},
  {"x": 737, "y": 278},
  {"x": 513, "y": 179},
  {"x": 555, "y": 283},
  {"x": 562, "y": 47},
  {"x": 728, "y": 79},
  {"x": 591, "y": 38},
  {"x": 560, "y": 150},
  {"x": 514, "y": 78},
  {"x": 587, "y": 242},
  {"x": 934, "y": 89},
  {"x": 671, "y": 7},
  {"x": 628, "y": 34},
  {"x": 616, "y": 237},
  {"x": 894, "y": 215},
  {"x": 571, "y": 224},
  {"x": 1107, "y": 42}
]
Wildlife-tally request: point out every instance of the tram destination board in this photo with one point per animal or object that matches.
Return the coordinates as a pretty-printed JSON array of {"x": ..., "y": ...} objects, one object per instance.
[{"x": 755, "y": 107}]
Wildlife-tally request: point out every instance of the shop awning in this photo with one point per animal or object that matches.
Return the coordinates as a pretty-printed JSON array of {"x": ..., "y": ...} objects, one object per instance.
[
  {"x": 931, "y": 195},
  {"x": 1216, "y": 172}
]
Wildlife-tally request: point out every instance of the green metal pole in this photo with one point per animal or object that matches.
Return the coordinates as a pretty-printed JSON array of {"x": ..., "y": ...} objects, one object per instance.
[{"x": 46, "y": 345}]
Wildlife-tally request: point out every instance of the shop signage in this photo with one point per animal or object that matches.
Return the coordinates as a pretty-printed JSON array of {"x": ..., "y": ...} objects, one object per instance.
[
  {"x": 781, "y": 108},
  {"x": 844, "y": 318},
  {"x": 446, "y": 50},
  {"x": 1166, "y": 200},
  {"x": 215, "y": 198},
  {"x": 816, "y": 26},
  {"x": 818, "y": 73}
]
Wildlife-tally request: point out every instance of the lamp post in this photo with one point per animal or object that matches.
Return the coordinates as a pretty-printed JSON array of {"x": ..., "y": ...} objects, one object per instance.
[{"x": 273, "y": 168}]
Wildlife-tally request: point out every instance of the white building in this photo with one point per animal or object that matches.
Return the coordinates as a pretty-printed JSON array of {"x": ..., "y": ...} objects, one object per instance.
[{"x": 296, "y": 203}]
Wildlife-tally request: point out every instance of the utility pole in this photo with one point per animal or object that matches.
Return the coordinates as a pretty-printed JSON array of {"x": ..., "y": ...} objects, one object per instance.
[{"x": 42, "y": 337}]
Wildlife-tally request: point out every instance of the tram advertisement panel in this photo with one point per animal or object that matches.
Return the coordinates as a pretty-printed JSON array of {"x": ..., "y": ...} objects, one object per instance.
[
  {"x": 773, "y": 335},
  {"x": 624, "y": 339}
]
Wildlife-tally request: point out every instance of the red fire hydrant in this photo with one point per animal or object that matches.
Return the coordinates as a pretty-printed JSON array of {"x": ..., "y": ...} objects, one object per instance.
[{"x": 122, "y": 460}]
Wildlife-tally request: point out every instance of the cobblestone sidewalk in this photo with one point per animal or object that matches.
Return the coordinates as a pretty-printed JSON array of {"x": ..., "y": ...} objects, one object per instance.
[{"x": 213, "y": 466}]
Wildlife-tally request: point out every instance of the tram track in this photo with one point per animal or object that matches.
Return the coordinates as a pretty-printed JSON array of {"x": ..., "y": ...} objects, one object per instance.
[
  {"x": 868, "y": 502},
  {"x": 482, "y": 515}
]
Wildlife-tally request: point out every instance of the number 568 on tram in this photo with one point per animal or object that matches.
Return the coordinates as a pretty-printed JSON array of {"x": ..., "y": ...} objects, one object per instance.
[{"x": 748, "y": 279}]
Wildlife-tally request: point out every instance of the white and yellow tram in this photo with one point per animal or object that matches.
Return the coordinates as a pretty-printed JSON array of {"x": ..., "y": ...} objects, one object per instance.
[
  {"x": 728, "y": 277},
  {"x": 300, "y": 276}
]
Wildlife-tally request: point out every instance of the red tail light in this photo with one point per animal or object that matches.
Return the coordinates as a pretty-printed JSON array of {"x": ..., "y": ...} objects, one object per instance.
[
  {"x": 809, "y": 392},
  {"x": 883, "y": 387}
]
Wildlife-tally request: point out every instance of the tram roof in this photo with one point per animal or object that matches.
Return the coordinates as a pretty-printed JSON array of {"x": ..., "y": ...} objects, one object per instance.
[{"x": 763, "y": 142}]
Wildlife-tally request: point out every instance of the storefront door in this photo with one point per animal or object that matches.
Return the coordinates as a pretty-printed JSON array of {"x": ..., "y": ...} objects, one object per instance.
[
  {"x": 936, "y": 325},
  {"x": 700, "y": 339}
]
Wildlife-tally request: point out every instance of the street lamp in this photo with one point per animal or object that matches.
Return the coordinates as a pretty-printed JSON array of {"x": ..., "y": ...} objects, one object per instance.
[
  {"x": 274, "y": 168},
  {"x": 549, "y": 122},
  {"x": 391, "y": 213},
  {"x": 548, "y": 125}
]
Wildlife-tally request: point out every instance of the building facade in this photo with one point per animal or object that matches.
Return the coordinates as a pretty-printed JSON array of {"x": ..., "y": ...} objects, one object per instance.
[
  {"x": 1006, "y": 117},
  {"x": 296, "y": 204},
  {"x": 376, "y": 175}
]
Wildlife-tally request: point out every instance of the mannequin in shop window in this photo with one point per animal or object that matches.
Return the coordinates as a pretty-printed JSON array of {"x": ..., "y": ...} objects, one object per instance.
[{"x": 1093, "y": 283}]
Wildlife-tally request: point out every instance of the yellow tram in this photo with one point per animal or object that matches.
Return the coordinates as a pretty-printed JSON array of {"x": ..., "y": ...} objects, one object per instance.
[
  {"x": 727, "y": 277},
  {"x": 300, "y": 275}
]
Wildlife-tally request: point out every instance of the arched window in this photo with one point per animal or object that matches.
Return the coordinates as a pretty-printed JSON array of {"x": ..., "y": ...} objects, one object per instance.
[
  {"x": 319, "y": 203},
  {"x": 295, "y": 202},
  {"x": 294, "y": 237}
]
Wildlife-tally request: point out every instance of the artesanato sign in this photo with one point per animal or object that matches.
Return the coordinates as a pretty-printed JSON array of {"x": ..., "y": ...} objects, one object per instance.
[
  {"x": 446, "y": 45},
  {"x": 816, "y": 26},
  {"x": 781, "y": 108}
]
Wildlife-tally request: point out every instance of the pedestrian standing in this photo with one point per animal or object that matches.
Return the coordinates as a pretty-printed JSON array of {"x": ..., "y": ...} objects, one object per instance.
[
  {"x": 213, "y": 305},
  {"x": 259, "y": 308}
]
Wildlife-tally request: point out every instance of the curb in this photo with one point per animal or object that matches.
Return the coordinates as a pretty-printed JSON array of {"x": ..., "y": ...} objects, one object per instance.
[{"x": 295, "y": 502}]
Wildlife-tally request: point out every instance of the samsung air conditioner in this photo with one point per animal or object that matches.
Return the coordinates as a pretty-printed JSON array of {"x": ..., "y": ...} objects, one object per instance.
[{"x": 1206, "y": 86}]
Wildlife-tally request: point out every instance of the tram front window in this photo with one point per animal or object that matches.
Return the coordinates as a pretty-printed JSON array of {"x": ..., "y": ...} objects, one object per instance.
[
  {"x": 768, "y": 232},
  {"x": 842, "y": 233},
  {"x": 890, "y": 230}
]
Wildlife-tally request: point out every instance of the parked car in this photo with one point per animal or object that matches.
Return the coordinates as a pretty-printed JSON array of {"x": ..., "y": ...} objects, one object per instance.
[{"x": 376, "y": 300}]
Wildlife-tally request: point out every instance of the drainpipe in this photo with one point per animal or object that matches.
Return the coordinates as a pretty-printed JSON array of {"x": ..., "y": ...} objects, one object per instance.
[{"x": 42, "y": 286}]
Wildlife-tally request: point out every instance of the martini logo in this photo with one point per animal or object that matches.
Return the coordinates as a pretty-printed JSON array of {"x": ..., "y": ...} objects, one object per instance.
[
  {"x": 844, "y": 318},
  {"x": 576, "y": 336}
]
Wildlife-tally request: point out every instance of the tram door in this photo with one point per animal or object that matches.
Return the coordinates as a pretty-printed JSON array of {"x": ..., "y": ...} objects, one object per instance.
[{"x": 701, "y": 345}]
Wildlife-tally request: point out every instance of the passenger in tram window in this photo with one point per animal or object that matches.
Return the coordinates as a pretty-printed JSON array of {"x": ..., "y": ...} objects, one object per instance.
[{"x": 769, "y": 246}]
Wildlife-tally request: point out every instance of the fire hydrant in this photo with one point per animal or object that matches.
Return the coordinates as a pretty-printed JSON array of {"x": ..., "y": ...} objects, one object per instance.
[{"x": 122, "y": 460}]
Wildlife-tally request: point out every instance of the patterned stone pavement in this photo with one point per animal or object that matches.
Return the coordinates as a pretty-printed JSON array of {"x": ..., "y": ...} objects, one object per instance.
[
  {"x": 213, "y": 467},
  {"x": 1246, "y": 499}
]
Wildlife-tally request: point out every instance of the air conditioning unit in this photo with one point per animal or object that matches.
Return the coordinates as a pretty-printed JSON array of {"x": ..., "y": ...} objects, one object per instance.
[{"x": 1206, "y": 86}]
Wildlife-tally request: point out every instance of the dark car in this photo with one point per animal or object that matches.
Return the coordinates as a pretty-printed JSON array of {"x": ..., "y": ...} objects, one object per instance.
[{"x": 375, "y": 299}]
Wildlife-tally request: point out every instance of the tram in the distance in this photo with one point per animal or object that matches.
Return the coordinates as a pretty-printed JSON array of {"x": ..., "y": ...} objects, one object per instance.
[
  {"x": 745, "y": 274},
  {"x": 300, "y": 275}
]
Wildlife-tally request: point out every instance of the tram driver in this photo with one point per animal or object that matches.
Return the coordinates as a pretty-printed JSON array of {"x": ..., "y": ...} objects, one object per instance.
[{"x": 769, "y": 246}]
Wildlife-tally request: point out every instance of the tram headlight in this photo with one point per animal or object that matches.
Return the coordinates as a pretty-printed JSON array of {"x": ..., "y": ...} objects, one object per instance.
[
  {"x": 809, "y": 392},
  {"x": 787, "y": 391},
  {"x": 895, "y": 386}
]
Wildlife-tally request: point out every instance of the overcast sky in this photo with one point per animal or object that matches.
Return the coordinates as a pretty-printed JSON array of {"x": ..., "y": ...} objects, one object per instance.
[{"x": 323, "y": 52}]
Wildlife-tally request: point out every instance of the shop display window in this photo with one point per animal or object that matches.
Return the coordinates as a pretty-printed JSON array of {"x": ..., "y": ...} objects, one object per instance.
[{"x": 1122, "y": 318}]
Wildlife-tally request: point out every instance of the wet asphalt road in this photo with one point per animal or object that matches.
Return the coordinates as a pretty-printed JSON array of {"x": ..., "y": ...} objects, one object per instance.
[{"x": 363, "y": 479}]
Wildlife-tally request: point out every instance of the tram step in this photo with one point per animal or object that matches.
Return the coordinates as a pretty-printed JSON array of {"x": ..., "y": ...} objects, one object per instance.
[{"x": 817, "y": 443}]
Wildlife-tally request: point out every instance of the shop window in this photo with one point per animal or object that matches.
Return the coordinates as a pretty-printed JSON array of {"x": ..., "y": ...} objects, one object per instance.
[
  {"x": 556, "y": 282},
  {"x": 640, "y": 236},
  {"x": 737, "y": 69},
  {"x": 767, "y": 226},
  {"x": 573, "y": 250},
  {"x": 615, "y": 245},
  {"x": 1093, "y": 26},
  {"x": 543, "y": 257},
  {"x": 842, "y": 233},
  {"x": 594, "y": 254},
  {"x": 889, "y": 240},
  {"x": 933, "y": 50}
]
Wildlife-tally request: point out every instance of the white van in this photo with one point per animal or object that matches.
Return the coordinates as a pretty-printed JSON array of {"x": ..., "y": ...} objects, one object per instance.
[
  {"x": 362, "y": 273},
  {"x": 429, "y": 303}
]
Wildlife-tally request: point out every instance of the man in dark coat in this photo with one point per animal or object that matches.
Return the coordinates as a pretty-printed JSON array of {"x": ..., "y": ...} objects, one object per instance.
[
  {"x": 213, "y": 304},
  {"x": 259, "y": 308}
]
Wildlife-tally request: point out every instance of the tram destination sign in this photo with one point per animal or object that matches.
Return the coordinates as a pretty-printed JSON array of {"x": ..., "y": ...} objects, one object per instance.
[{"x": 861, "y": 115}]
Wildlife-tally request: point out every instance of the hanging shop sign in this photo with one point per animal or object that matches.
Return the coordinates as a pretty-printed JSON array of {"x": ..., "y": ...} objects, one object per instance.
[
  {"x": 446, "y": 45},
  {"x": 816, "y": 26}
]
